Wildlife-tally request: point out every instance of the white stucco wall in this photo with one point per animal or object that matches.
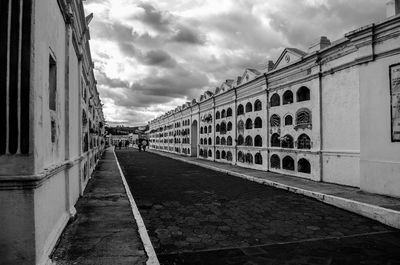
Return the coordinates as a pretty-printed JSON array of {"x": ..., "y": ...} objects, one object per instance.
[
  {"x": 380, "y": 157},
  {"x": 341, "y": 127}
]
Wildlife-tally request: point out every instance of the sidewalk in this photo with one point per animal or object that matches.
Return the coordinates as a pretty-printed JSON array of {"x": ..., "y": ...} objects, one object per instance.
[
  {"x": 105, "y": 230},
  {"x": 381, "y": 208}
]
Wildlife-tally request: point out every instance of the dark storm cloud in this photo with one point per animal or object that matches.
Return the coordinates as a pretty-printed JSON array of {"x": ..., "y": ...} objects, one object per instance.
[
  {"x": 154, "y": 18},
  {"x": 174, "y": 83},
  {"x": 188, "y": 35},
  {"x": 158, "y": 58}
]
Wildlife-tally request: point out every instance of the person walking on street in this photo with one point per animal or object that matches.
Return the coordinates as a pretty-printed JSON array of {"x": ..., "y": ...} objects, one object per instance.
[
  {"x": 144, "y": 143},
  {"x": 120, "y": 144},
  {"x": 140, "y": 146}
]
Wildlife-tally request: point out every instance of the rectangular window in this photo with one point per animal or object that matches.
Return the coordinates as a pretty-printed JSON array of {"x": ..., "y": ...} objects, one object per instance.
[
  {"x": 395, "y": 101},
  {"x": 52, "y": 83}
]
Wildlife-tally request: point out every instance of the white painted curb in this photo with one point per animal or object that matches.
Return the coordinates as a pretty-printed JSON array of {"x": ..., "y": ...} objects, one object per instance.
[
  {"x": 151, "y": 254},
  {"x": 383, "y": 215}
]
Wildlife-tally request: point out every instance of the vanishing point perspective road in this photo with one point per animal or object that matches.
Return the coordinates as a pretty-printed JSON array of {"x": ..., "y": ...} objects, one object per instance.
[{"x": 198, "y": 216}]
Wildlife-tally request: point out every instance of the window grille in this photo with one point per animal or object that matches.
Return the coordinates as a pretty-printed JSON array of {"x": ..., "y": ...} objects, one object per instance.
[
  {"x": 275, "y": 121},
  {"x": 275, "y": 162},
  {"x": 304, "y": 166},
  {"x": 257, "y": 105},
  {"x": 288, "y": 163}
]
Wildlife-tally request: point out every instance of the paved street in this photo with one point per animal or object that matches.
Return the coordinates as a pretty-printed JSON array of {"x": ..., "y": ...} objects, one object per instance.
[{"x": 198, "y": 216}]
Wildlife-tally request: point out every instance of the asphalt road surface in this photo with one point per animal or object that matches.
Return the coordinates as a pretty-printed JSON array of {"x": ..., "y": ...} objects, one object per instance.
[{"x": 198, "y": 216}]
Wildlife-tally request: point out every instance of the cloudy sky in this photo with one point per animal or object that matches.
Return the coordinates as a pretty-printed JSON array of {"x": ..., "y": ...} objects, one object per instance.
[{"x": 151, "y": 56}]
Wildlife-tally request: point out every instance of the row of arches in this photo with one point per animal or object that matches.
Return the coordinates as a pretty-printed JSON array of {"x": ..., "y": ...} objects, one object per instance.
[
  {"x": 248, "y": 141},
  {"x": 302, "y": 94},
  {"x": 223, "y": 127},
  {"x": 249, "y": 107},
  {"x": 223, "y": 114},
  {"x": 223, "y": 141},
  {"x": 303, "y": 117},
  {"x": 303, "y": 165},
  {"x": 205, "y": 141},
  {"x": 186, "y": 122},
  {"x": 206, "y": 129},
  {"x": 204, "y": 153},
  {"x": 249, "y": 124},
  {"x": 224, "y": 155},
  {"x": 303, "y": 141},
  {"x": 248, "y": 158}
]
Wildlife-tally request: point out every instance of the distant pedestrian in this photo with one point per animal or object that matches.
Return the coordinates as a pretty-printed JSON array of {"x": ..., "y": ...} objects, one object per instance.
[
  {"x": 126, "y": 143},
  {"x": 144, "y": 144},
  {"x": 140, "y": 147},
  {"x": 120, "y": 144}
]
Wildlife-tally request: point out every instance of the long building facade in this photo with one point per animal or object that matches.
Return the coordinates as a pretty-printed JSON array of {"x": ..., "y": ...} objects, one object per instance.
[
  {"x": 52, "y": 123},
  {"x": 330, "y": 114}
]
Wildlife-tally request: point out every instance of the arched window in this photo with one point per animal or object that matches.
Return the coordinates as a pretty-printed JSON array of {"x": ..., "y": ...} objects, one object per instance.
[
  {"x": 304, "y": 166},
  {"x": 258, "y": 159},
  {"x": 223, "y": 141},
  {"x": 303, "y": 117},
  {"x": 217, "y": 128},
  {"x": 258, "y": 123},
  {"x": 275, "y": 161},
  {"x": 209, "y": 141},
  {"x": 223, "y": 155},
  {"x": 217, "y": 140},
  {"x": 209, "y": 153},
  {"x": 288, "y": 120},
  {"x": 217, "y": 115},
  {"x": 240, "y": 110},
  {"x": 275, "y": 142},
  {"x": 240, "y": 127},
  {"x": 288, "y": 163},
  {"x": 287, "y": 141},
  {"x": 303, "y": 142},
  {"x": 240, "y": 140},
  {"x": 275, "y": 121},
  {"x": 229, "y": 141},
  {"x": 229, "y": 127},
  {"x": 249, "y": 124},
  {"x": 222, "y": 128},
  {"x": 205, "y": 141},
  {"x": 287, "y": 97},
  {"x": 258, "y": 141},
  {"x": 205, "y": 129},
  {"x": 223, "y": 113},
  {"x": 201, "y": 130},
  {"x": 209, "y": 129},
  {"x": 249, "y": 158},
  {"x": 229, "y": 112},
  {"x": 249, "y": 141},
  {"x": 303, "y": 94},
  {"x": 229, "y": 156},
  {"x": 240, "y": 157},
  {"x": 217, "y": 154},
  {"x": 201, "y": 140},
  {"x": 275, "y": 100},
  {"x": 257, "y": 105},
  {"x": 249, "y": 107}
]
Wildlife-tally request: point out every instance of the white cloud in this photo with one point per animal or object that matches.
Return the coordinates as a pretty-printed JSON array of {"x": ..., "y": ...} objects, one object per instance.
[{"x": 151, "y": 56}]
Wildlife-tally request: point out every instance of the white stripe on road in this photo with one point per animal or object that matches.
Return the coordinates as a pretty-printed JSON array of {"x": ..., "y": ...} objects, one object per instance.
[{"x": 151, "y": 254}]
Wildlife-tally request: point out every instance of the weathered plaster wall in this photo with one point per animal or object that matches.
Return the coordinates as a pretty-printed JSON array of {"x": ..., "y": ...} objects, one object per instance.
[
  {"x": 17, "y": 233},
  {"x": 49, "y": 32},
  {"x": 341, "y": 127},
  {"x": 380, "y": 158}
]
